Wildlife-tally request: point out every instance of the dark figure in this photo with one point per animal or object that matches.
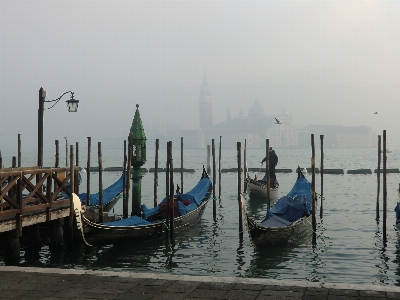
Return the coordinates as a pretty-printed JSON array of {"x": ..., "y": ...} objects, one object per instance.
[{"x": 273, "y": 161}]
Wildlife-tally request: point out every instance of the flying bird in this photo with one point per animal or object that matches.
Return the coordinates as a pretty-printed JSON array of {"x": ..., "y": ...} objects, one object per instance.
[
  {"x": 277, "y": 121},
  {"x": 375, "y": 113}
]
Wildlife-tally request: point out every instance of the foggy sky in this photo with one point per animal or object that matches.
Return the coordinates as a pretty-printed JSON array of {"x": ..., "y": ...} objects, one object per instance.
[{"x": 321, "y": 62}]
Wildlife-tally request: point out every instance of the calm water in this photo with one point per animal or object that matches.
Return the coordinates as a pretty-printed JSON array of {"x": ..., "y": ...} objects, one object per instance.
[{"x": 349, "y": 240}]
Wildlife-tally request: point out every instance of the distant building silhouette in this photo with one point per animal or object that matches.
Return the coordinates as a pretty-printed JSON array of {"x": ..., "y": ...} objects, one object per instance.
[
  {"x": 205, "y": 104},
  {"x": 256, "y": 127}
]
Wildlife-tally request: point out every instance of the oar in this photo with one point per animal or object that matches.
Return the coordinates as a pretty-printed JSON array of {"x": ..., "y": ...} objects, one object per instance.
[{"x": 258, "y": 172}]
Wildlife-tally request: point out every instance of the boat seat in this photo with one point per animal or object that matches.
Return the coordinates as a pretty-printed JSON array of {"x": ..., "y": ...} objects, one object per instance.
[{"x": 274, "y": 221}]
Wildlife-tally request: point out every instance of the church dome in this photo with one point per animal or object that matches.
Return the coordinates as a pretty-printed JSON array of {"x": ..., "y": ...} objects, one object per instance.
[{"x": 256, "y": 110}]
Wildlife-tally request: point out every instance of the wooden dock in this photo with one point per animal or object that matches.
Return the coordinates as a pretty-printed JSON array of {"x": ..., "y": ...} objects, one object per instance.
[{"x": 33, "y": 195}]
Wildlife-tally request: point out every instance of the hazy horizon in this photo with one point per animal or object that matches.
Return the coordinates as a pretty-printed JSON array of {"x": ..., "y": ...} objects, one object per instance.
[{"x": 320, "y": 62}]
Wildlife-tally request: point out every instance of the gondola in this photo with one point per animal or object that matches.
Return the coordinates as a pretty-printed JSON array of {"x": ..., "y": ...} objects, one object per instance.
[
  {"x": 287, "y": 221},
  {"x": 260, "y": 187},
  {"x": 188, "y": 209}
]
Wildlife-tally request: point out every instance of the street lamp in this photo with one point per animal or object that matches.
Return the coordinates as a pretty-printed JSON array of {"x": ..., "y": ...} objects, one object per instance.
[{"x": 72, "y": 107}]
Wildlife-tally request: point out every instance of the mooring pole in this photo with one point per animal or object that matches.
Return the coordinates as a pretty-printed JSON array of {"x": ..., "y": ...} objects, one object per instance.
[
  {"x": 71, "y": 203},
  {"x": 219, "y": 169},
  {"x": 321, "y": 212},
  {"x": 167, "y": 197},
  {"x": 314, "y": 197},
  {"x": 384, "y": 188},
  {"x": 171, "y": 193},
  {"x": 125, "y": 200},
  {"x": 267, "y": 172},
  {"x": 101, "y": 201},
  {"x": 57, "y": 162},
  {"x": 156, "y": 173},
  {"x": 66, "y": 151},
  {"x": 42, "y": 97},
  {"x": 181, "y": 164},
  {"x": 244, "y": 167},
  {"x": 239, "y": 160},
  {"x": 214, "y": 181},
  {"x": 77, "y": 164},
  {"x": 378, "y": 177},
  {"x": 208, "y": 159},
  {"x": 88, "y": 171},
  {"x": 19, "y": 150}
]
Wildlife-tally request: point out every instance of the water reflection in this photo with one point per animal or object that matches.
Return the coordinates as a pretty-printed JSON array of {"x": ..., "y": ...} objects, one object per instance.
[
  {"x": 317, "y": 261},
  {"x": 397, "y": 258}
]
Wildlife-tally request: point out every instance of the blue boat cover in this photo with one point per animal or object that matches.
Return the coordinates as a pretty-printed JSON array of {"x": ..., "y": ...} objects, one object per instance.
[
  {"x": 134, "y": 220},
  {"x": 108, "y": 194},
  {"x": 196, "y": 196},
  {"x": 296, "y": 204}
]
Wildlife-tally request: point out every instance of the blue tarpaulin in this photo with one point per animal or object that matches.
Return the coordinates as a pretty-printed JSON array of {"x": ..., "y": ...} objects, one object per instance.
[
  {"x": 108, "y": 194},
  {"x": 296, "y": 204},
  {"x": 196, "y": 196}
]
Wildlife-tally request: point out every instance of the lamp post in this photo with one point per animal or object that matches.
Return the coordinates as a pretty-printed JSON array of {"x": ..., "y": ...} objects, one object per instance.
[
  {"x": 138, "y": 159},
  {"x": 72, "y": 107}
]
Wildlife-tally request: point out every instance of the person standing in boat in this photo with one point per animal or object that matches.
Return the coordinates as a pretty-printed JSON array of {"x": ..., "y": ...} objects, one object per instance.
[{"x": 273, "y": 162}]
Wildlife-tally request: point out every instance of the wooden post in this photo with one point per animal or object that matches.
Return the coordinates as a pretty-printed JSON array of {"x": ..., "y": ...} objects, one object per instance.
[
  {"x": 1, "y": 162},
  {"x": 214, "y": 180},
  {"x": 57, "y": 162},
  {"x": 125, "y": 200},
  {"x": 384, "y": 188},
  {"x": 321, "y": 212},
  {"x": 19, "y": 150},
  {"x": 219, "y": 169},
  {"x": 77, "y": 164},
  {"x": 167, "y": 197},
  {"x": 88, "y": 171},
  {"x": 71, "y": 203},
  {"x": 128, "y": 182},
  {"x": 40, "y": 127},
  {"x": 314, "y": 197},
  {"x": 156, "y": 173},
  {"x": 14, "y": 162},
  {"x": 101, "y": 202},
  {"x": 244, "y": 166},
  {"x": 171, "y": 193},
  {"x": 208, "y": 159},
  {"x": 182, "y": 165},
  {"x": 378, "y": 177},
  {"x": 239, "y": 158},
  {"x": 267, "y": 172},
  {"x": 66, "y": 151}
]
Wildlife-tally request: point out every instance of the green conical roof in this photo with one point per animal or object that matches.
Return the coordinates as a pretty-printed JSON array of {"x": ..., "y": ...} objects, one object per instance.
[{"x": 137, "y": 130}]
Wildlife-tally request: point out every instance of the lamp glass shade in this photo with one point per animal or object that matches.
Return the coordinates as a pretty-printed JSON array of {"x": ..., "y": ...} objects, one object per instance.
[{"x": 72, "y": 105}]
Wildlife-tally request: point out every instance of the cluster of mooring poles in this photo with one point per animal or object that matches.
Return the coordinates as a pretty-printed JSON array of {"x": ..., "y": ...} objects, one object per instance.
[
  {"x": 170, "y": 186},
  {"x": 314, "y": 194},
  {"x": 378, "y": 175}
]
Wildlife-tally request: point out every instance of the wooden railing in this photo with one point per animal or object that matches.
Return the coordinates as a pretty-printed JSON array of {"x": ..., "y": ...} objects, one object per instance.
[{"x": 30, "y": 191}]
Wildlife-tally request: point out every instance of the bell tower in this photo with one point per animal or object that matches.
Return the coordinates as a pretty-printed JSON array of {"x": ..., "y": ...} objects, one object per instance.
[{"x": 205, "y": 104}]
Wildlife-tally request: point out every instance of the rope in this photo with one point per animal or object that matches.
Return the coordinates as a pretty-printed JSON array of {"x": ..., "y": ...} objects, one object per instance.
[
  {"x": 166, "y": 226},
  {"x": 79, "y": 224}
]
